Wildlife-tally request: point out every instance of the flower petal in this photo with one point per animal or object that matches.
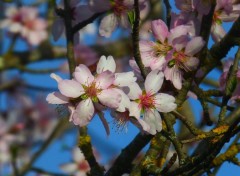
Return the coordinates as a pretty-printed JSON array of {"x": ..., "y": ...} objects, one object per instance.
[
  {"x": 134, "y": 91},
  {"x": 83, "y": 75},
  {"x": 107, "y": 25},
  {"x": 104, "y": 79},
  {"x": 56, "y": 77},
  {"x": 57, "y": 98},
  {"x": 160, "y": 30},
  {"x": 105, "y": 64},
  {"x": 153, "y": 119},
  {"x": 57, "y": 28},
  {"x": 194, "y": 46},
  {"x": 154, "y": 81},
  {"x": 164, "y": 102},
  {"x": 110, "y": 98},
  {"x": 69, "y": 168},
  {"x": 70, "y": 88},
  {"x": 77, "y": 155},
  {"x": 84, "y": 113},
  {"x": 125, "y": 102},
  {"x": 124, "y": 79},
  {"x": 134, "y": 110}
]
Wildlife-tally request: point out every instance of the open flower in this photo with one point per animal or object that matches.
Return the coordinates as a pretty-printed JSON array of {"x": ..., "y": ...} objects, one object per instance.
[
  {"x": 83, "y": 93},
  {"x": 25, "y": 22},
  {"x": 79, "y": 166},
  {"x": 149, "y": 102},
  {"x": 183, "y": 59}
]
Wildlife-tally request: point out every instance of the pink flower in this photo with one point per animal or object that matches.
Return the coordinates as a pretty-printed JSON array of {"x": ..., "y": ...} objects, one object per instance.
[
  {"x": 183, "y": 59},
  {"x": 154, "y": 54},
  {"x": 225, "y": 11},
  {"x": 149, "y": 102},
  {"x": 79, "y": 166},
  {"x": 25, "y": 22},
  {"x": 81, "y": 93}
]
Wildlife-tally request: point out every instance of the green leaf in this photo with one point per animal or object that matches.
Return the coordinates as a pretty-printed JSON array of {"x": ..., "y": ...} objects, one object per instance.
[{"x": 131, "y": 17}]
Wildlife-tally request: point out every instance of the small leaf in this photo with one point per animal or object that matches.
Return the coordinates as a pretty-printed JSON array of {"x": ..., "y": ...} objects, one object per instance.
[{"x": 131, "y": 17}]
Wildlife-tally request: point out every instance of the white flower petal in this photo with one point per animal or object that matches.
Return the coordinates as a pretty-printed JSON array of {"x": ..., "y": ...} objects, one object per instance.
[
  {"x": 134, "y": 110},
  {"x": 134, "y": 91},
  {"x": 84, "y": 112},
  {"x": 152, "y": 117},
  {"x": 70, "y": 88},
  {"x": 83, "y": 75},
  {"x": 107, "y": 25},
  {"x": 105, "y": 64},
  {"x": 164, "y": 102},
  {"x": 124, "y": 79},
  {"x": 154, "y": 81},
  {"x": 104, "y": 79},
  {"x": 57, "y": 98},
  {"x": 69, "y": 168},
  {"x": 110, "y": 98},
  {"x": 77, "y": 155}
]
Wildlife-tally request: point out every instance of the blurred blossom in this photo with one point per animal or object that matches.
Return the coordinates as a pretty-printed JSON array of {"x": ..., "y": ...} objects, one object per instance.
[
  {"x": 83, "y": 55},
  {"x": 24, "y": 21},
  {"x": 79, "y": 166},
  {"x": 118, "y": 15}
]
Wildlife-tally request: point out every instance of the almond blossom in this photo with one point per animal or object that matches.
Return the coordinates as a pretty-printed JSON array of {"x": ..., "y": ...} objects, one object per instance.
[
  {"x": 149, "y": 102},
  {"x": 79, "y": 166},
  {"x": 225, "y": 11},
  {"x": 125, "y": 79},
  {"x": 26, "y": 23},
  {"x": 80, "y": 94},
  {"x": 118, "y": 14},
  {"x": 154, "y": 53},
  {"x": 183, "y": 60},
  {"x": 172, "y": 52}
]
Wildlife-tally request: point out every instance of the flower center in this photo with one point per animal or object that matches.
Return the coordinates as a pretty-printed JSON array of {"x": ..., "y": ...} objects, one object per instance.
[
  {"x": 119, "y": 7},
  {"x": 83, "y": 166},
  {"x": 17, "y": 18},
  {"x": 161, "y": 49},
  {"x": 216, "y": 18},
  {"x": 121, "y": 120},
  {"x": 179, "y": 59},
  {"x": 91, "y": 91},
  {"x": 146, "y": 101}
]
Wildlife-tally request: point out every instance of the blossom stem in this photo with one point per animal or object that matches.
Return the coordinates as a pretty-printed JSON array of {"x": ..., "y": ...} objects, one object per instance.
[
  {"x": 135, "y": 39},
  {"x": 70, "y": 36}
]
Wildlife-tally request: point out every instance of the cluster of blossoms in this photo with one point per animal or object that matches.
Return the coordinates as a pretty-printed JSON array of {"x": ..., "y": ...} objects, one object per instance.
[
  {"x": 192, "y": 12},
  {"x": 24, "y": 21},
  {"x": 173, "y": 52},
  {"x": 86, "y": 95},
  {"x": 117, "y": 15}
]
